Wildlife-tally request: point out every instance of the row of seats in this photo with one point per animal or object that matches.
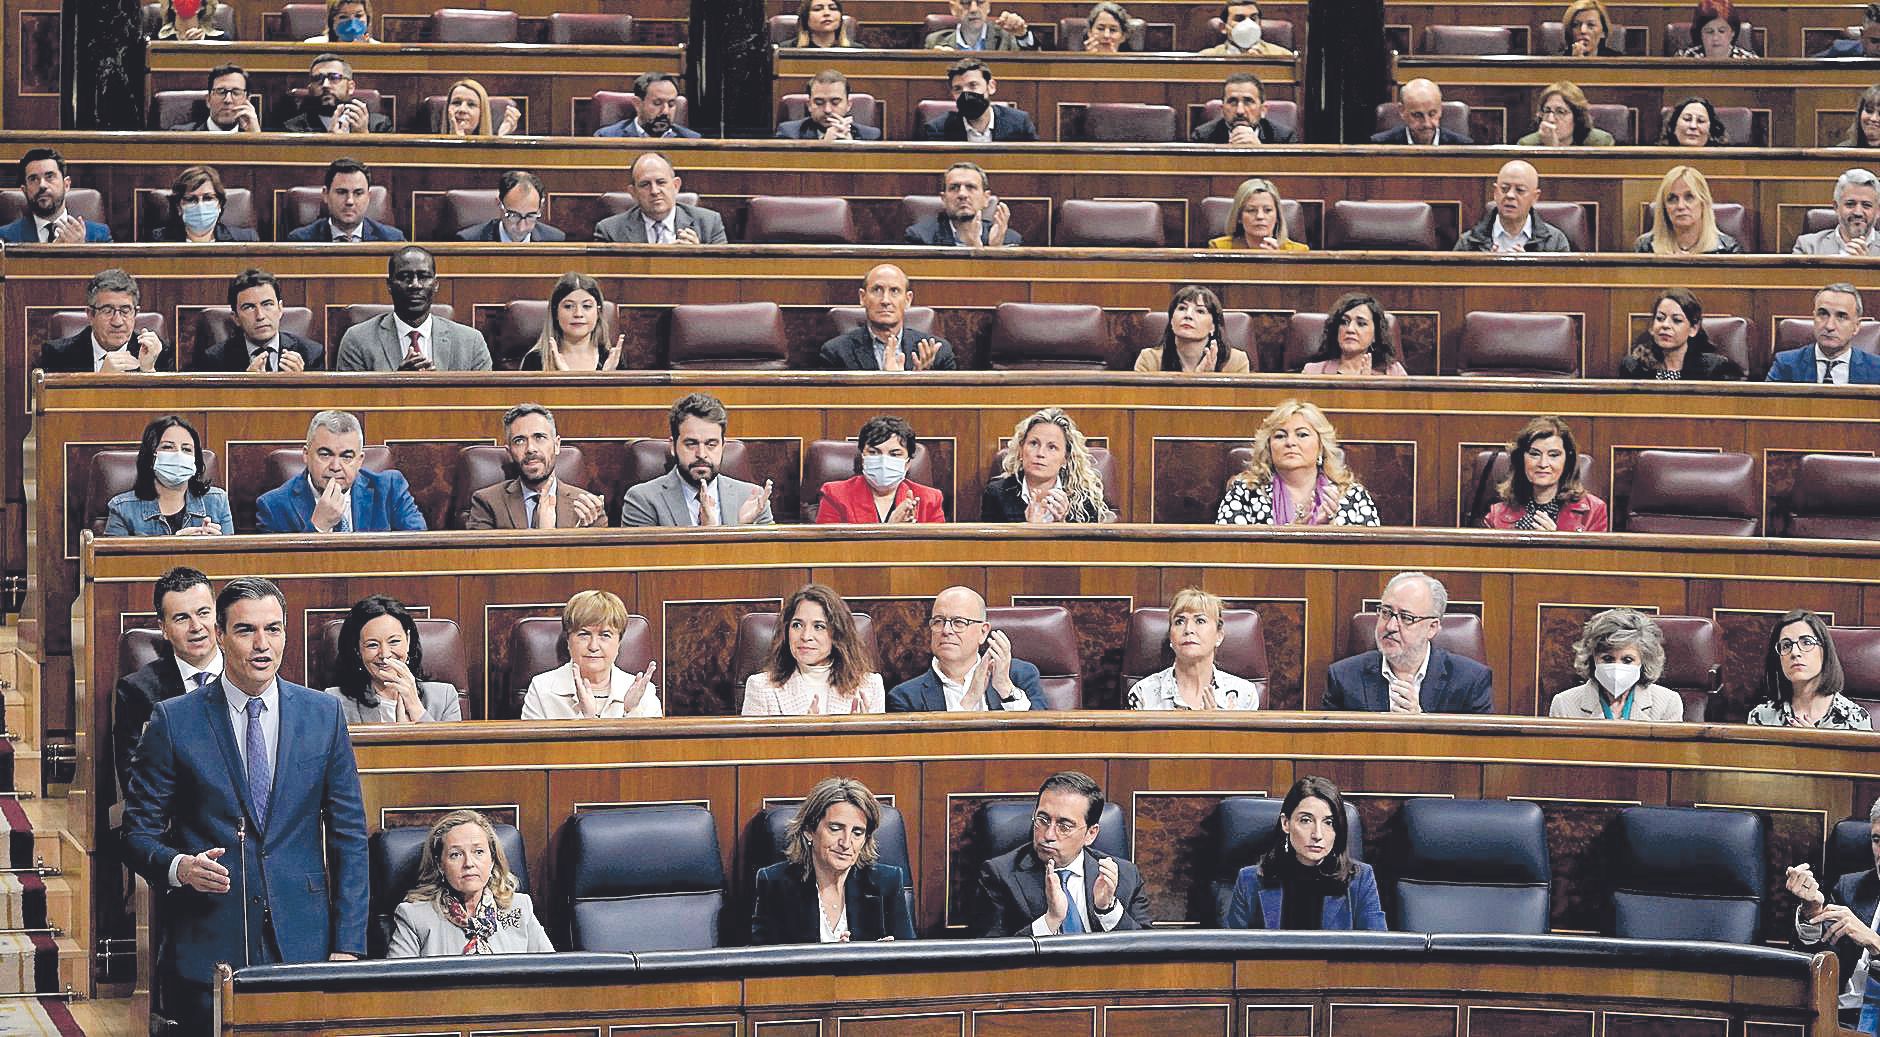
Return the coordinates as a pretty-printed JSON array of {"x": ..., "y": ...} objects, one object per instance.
[
  {"x": 1466, "y": 866},
  {"x": 301, "y": 21}
]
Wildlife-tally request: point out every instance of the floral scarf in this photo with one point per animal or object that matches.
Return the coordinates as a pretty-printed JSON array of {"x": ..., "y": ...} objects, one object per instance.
[{"x": 477, "y": 926}]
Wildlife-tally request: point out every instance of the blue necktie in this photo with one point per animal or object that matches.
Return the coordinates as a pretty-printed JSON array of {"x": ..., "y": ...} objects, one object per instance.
[
  {"x": 1073, "y": 922},
  {"x": 260, "y": 783},
  {"x": 202, "y": 678}
]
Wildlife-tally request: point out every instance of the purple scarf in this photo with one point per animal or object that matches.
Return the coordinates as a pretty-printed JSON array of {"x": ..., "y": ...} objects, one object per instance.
[{"x": 1283, "y": 506}]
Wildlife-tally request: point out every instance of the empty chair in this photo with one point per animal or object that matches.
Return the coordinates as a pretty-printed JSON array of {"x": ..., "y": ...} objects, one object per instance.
[
  {"x": 1683, "y": 873},
  {"x": 536, "y": 645},
  {"x": 833, "y": 460},
  {"x": 788, "y": 220},
  {"x": 1849, "y": 850},
  {"x": 1248, "y": 826},
  {"x": 481, "y": 465},
  {"x": 1693, "y": 661},
  {"x": 744, "y": 335},
  {"x": 1617, "y": 119},
  {"x": 1109, "y": 224},
  {"x": 1045, "y": 636},
  {"x": 1474, "y": 866},
  {"x": 471, "y": 25},
  {"x": 1466, "y": 40},
  {"x": 646, "y": 878},
  {"x": 1145, "y": 123},
  {"x": 301, "y": 21},
  {"x": 1520, "y": 345},
  {"x": 1460, "y": 634},
  {"x": 590, "y": 29},
  {"x": 1574, "y": 219},
  {"x": 393, "y": 856},
  {"x": 1049, "y": 335},
  {"x": 1858, "y": 648},
  {"x": 1730, "y": 335},
  {"x": 1836, "y": 496},
  {"x": 1684, "y": 492},
  {"x": 1146, "y": 649},
  {"x": 465, "y": 208},
  {"x": 1391, "y": 226}
]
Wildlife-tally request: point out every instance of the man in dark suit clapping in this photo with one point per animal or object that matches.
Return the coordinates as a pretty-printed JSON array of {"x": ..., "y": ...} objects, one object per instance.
[
  {"x": 1056, "y": 883},
  {"x": 259, "y": 343},
  {"x": 1407, "y": 673},
  {"x": 884, "y": 342}
]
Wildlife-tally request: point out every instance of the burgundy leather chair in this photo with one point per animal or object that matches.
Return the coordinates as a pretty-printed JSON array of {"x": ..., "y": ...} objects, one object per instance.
[
  {"x": 138, "y": 648},
  {"x": 833, "y": 460},
  {"x": 299, "y": 21},
  {"x": 85, "y": 202},
  {"x": 1796, "y": 332},
  {"x": 847, "y": 318},
  {"x": 751, "y": 649},
  {"x": 360, "y": 312},
  {"x": 1455, "y": 117},
  {"x": 1100, "y": 458},
  {"x": 1028, "y": 336},
  {"x": 153, "y": 208},
  {"x": 1108, "y": 224},
  {"x": 1519, "y": 345},
  {"x": 1302, "y": 338},
  {"x": 444, "y": 658},
  {"x": 1858, "y": 648},
  {"x": 299, "y": 206},
  {"x": 1486, "y": 471},
  {"x": 515, "y": 329},
  {"x": 1732, "y": 218},
  {"x": 1731, "y": 337},
  {"x": 66, "y": 323},
  {"x": 1693, "y": 662},
  {"x": 1146, "y": 651},
  {"x": 1461, "y": 634},
  {"x": 1283, "y": 115},
  {"x": 1816, "y": 220},
  {"x": 486, "y": 464},
  {"x": 935, "y": 22},
  {"x": 1575, "y": 220},
  {"x": 1683, "y": 492},
  {"x": 1382, "y": 226},
  {"x": 536, "y": 646},
  {"x": 431, "y": 113},
  {"x": 1738, "y": 121},
  {"x": 863, "y": 108},
  {"x": 605, "y": 30},
  {"x": 791, "y": 220},
  {"x": 1617, "y": 119},
  {"x": 472, "y": 25},
  {"x": 1836, "y": 496},
  {"x": 223, "y": 19},
  {"x": 607, "y": 107},
  {"x": 464, "y": 207},
  {"x": 1129, "y": 123},
  {"x": 917, "y": 207},
  {"x": 1299, "y": 226},
  {"x": 1071, "y": 32},
  {"x": 1236, "y": 331},
  {"x": 1045, "y": 636},
  {"x": 1551, "y": 39},
  {"x": 739, "y": 335},
  {"x": 114, "y": 471},
  {"x": 216, "y": 324},
  {"x": 1678, "y": 36},
  {"x": 1468, "y": 40},
  {"x": 782, "y": 28}
]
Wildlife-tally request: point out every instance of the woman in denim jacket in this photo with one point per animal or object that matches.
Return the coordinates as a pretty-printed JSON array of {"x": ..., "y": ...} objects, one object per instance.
[{"x": 171, "y": 495}]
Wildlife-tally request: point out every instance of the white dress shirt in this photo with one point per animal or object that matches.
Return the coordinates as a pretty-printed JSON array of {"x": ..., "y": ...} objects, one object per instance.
[
  {"x": 1506, "y": 242},
  {"x": 98, "y": 352},
  {"x": 335, "y": 233},
  {"x": 1416, "y": 681},
  {"x": 424, "y": 337},
  {"x": 1100, "y": 922},
  {"x": 1842, "y": 365},
  {"x": 40, "y": 224},
  {"x": 213, "y": 669},
  {"x": 238, "y": 720},
  {"x": 532, "y": 498},
  {"x": 1854, "y": 991},
  {"x": 271, "y": 347},
  {"x": 667, "y": 227},
  {"x": 955, "y": 692}
]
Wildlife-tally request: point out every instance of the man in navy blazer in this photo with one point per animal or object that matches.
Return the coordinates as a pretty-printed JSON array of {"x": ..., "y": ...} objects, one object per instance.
[
  {"x": 1847, "y": 913},
  {"x": 974, "y": 116},
  {"x": 884, "y": 342},
  {"x": 1831, "y": 358},
  {"x": 1092, "y": 893},
  {"x": 970, "y": 214},
  {"x": 1407, "y": 673},
  {"x": 1421, "y": 104},
  {"x": 336, "y": 494},
  {"x": 241, "y": 793},
  {"x": 347, "y": 193},
  {"x": 188, "y": 658},
  {"x": 973, "y": 669},
  {"x": 658, "y": 94},
  {"x": 520, "y": 193},
  {"x": 829, "y": 115},
  {"x": 43, "y": 181}
]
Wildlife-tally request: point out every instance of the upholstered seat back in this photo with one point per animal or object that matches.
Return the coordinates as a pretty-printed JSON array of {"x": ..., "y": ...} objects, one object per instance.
[
  {"x": 1693, "y": 661},
  {"x": 1474, "y": 866},
  {"x": 646, "y": 878},
  {"x": 1146, "y": 650},
  {"x": 1687, "y": 492},
  {"x": 742, "y": 335},
  {"x": 1684, "y": 873},
  {"x": 1027, "y": 335},
  {"x": 1044, "y": 636},
  {"x": 784, "y": 220},
  {"x": 1836, "y": 496},
  {"x": 1522, "y": 345},
  {"x": 1085, "y": 223},
  {"x": 394, "y": 857}
]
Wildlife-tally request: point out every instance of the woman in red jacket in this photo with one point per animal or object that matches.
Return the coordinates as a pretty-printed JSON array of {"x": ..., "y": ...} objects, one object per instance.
[
  {"x": 881, "y": 490},
  {"x": 1543, "y": 490}
]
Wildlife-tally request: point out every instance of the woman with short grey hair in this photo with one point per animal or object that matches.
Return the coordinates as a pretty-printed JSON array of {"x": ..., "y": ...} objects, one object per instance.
[{"x": 1620, "y": 653}]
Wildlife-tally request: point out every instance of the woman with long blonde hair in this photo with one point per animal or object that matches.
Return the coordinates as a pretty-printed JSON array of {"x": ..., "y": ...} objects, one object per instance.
[
  {"x": 1298, "y": 476},
  {"x": 1683, "y": 219},
  {"x": 1049, "y": 475},
  {"x": 466, "y": 900}
]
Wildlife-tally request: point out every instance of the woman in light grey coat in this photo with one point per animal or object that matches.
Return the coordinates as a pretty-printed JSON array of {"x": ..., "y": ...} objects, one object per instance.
[
  {"x": 466, "y": 901},
  {"x": 381, "y": 669}
]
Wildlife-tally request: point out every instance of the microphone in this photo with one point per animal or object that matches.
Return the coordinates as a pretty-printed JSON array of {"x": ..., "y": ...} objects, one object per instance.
[{"x": 241, "y": 843}]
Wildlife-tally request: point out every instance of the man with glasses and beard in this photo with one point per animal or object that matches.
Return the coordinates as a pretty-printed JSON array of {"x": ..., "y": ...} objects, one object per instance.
[
  {"x": 43, "y": 181},
  {"x": 1407, "y": 673},
  {"x": 330, "y": 106},
  {"x": 693, "y": 492},
  {"x": 1856, "y": 197}
]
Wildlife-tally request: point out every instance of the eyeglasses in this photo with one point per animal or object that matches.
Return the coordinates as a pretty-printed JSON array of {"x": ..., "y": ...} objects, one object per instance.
[
  {"x": 223, "y": 93},
  {"x": 125, "y": 312},
  {"x": 1063, "y": 826},
  {"x": 316, "y": 78},
  {"x": 1804, "y": 643},
  {"x": 956, "y": 624},
  {"x": 521, "y": 217},
  {"x": 1557, "y": 112},
  {"x": 1386, "y": 614}
]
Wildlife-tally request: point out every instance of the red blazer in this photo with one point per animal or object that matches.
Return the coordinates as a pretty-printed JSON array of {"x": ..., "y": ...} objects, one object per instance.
[
  {"x": 853, "y": 501},
  {"x": 1586, "y": 515}
]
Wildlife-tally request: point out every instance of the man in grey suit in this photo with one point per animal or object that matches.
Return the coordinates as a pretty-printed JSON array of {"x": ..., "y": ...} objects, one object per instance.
[
  {"x": 411, "y": 337},
  {"x": 692, "y": 492},
  {"x": 1856, "y": 200},
  {"x": 657, "y": 215}
]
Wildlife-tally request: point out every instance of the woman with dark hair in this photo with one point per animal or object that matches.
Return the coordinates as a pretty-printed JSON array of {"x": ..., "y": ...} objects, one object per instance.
[
  {"x": 1307, "y": 879},
  {"x": 1693, "y": 123},
  {"x": 818, "y": 664},
  {"x": 466, "y": 901},
  {"x": 347, "y": 21},
  {"x": 1674, "y": 347},
  {"x": 831, "y": 886},
  {"x": 1355, "y": 340},
  {"x": 197, "y": 199},
  {"x": 1192, "y": 339},
  {"x": 1803, "y": 681},
  {"x": 819, "y": 24},
  {"x": 1714, "y": 29},
  {"x": 1564, "y": 118},
  {"x": 880, "y": 490},
  {"x": 172, "y": 493},
  {"x": 1543, "y": 490},
  {"x": 380, "y": 669},
  {"x": 577, "y": 331},
  {"x": 1864, "y": 131}
]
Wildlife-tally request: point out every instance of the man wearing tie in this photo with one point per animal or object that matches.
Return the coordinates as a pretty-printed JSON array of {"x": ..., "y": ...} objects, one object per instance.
[
  {"x": 693, "y": 492},
  {"x": 241, "y": 793},
  {"x": 1408, "y": 673},
  {"x": 411, "y": 337},
  {"x": 188, "y": 659},
  {"x": 658, "y": 217},
  {"x": 337, "y": 493},
  {"x": 44, "y": 183},
  {"x": 1831, "y": 359},
  {"x": 537, "y": 498},
  {"x": 259, "y": 344},
  {"x": 1056, "y": 883}
]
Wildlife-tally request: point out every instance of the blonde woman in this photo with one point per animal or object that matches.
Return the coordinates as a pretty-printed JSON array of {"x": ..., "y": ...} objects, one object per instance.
[
  {"x": 1195, "y": 634},
  {"x": 1257, "y": 220},
  {"x": 578, "y": 328},
  {"x": 1683, "y": 222},
  {"x": 1049, "y": 475},
  {"x": 1589, "y": 30},
  {"x": 466, "y": 901},
  {"x": 1298, "y": 476},
  {"x": 591, "y": 686},
  {"x": 466, "y": 112}
]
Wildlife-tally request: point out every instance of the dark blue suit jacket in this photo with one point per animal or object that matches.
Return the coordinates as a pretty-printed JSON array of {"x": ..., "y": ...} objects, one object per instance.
[
  {"x": 189, "y": 790},
  {"x": 632, "y": 128},
  {"x": 22, "y": 232},
  {"x": 923, "y": 694},
  {"x": 1008, "y": 124},
  {"x": 381, "y": 502},
  {"x": 1452, "y": 684},
  {"x": 1801, "y": 365},
  {"x": 785, "y": 910},
  {"x": 806, "y": 129},
  {"x": 1401, "y": 135},
  {"x": 320, "y": 230},
  {"x": 1259, "y": 905}
]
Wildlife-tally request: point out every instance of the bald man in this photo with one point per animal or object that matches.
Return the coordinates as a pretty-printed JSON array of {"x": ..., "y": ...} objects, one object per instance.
[
  {"x": 973, "y": 670},
  {"x": 1511, "y": 224},
  {"x": 1421, "y": 103},
  {"x": 884, "y": 342}
]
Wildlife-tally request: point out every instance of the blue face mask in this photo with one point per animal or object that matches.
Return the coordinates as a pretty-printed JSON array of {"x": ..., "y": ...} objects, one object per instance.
[
  {"x": 201, "y": 216},
  {"x": 884, "y": 471},
  {"x": 174, "y": 469},
  {"x": 347, "y": 30}
]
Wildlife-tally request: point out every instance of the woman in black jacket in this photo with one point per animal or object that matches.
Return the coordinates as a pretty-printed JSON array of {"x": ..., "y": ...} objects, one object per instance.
[{"x": 830, "y": 888}]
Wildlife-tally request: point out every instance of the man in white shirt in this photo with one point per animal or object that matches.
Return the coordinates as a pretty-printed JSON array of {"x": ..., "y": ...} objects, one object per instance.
[
  {"x": 693, "y": 492},
  {"x": 973, "y": 669},
  {"x": 44, "y": 182},
  {"x": 188, "y": 659},
  {"x": 111, "y": 343},
  {"x": 1057, "y": 883},
  {"x": 658, "y": 217},
  {"x": 1856, "y": 199},
  {"x": 1844, "y": 924}
]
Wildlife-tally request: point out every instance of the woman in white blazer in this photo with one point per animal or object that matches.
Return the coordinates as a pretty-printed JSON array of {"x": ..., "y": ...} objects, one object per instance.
[
  {"x": 589, "y": 686},
  {"x": 466, "y": 901}
]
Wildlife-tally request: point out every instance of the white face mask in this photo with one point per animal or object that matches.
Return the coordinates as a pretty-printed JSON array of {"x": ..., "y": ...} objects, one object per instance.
[
  {"x": 883, "y": 470},
  {"x": 1616, "y": 678},
  {"x": 1246, "y": 34}
]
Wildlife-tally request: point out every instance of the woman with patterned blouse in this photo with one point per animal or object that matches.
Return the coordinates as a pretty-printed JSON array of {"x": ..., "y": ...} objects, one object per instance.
[
  {"x": 1297, "y": 477},
  {"x": 1195, "y": 633},
  {"x": 1675, "y": 347},
  {"x": 1803, "y": 681}
]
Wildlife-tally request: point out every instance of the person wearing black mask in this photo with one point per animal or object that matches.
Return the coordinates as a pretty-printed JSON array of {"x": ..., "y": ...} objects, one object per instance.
[{"x": 975, "y": 118}]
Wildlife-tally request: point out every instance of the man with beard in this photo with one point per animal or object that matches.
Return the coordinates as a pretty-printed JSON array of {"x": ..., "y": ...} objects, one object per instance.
[
  {"x": 658, "y": 216},
  {"x": 828, "y": 117},
  {"x": 884, "y": 342},
  {"x": 970, "y": 214},
  {"x": 1407, "y": 673},
  {"x": 1243, "y": 116},
  {"x": 43, "y": 181},
  {"x": 693, "y": 492},
  {"x": 977, "y": 30},
  {"x": 330, "y": 106},
  {"x": 231, "y": 109},
  {"x": 112, "y": 301},
  {"x": 975, "y": 119},
  {"x": 347, "y": 194},
  {"x": 411, "y": 337},
  {"x": 1856, "y": 196},
  {"x": 536, "y": 498},
  {"x": 658, "y": 93}
]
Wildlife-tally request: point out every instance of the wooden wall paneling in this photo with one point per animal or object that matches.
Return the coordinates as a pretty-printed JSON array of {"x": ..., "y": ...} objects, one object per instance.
[{"x": 1174, "y": 832}]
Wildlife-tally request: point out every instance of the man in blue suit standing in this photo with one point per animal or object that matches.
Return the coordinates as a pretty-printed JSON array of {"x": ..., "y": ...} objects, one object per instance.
[
  {"x": 43, "y": 181},
  {"x": 337, "y": 494},
  {"x": 240, "y": 793},
  {"x": 973, "y": 670},
  {"x": 1407, "y": 673},
  {"x": 1831, "y": 359}
]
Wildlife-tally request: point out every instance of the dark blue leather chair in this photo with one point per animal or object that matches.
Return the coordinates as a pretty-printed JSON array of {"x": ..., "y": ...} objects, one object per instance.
[
  {"x": 1249, "y": 826},
  {"x": 1688, "y": 874},
  {"x": 642, "y": 879},
  {"x": 393, "y": 857},
  {"x": 1003, "y": 827},
  {"x": 1474, "y": 866},
  {"x": 1850, "y": 849},
  {"x": 766, "y": 842}
]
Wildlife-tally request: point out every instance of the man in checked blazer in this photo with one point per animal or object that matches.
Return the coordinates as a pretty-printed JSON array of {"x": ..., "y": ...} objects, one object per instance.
[{"x": 411, "y": 337}]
